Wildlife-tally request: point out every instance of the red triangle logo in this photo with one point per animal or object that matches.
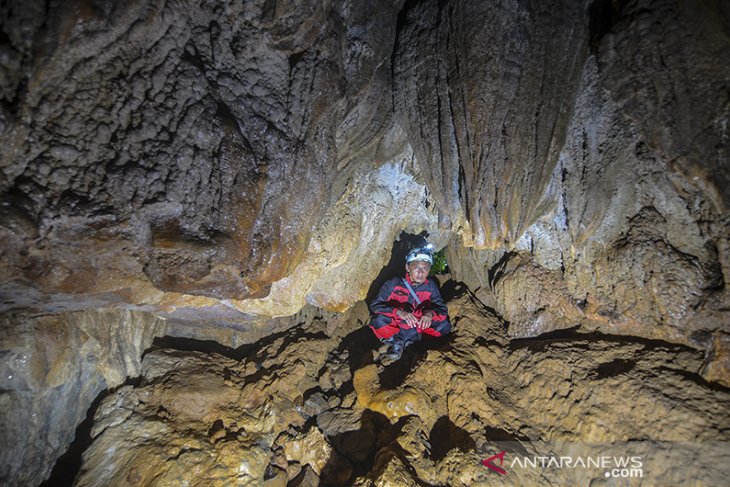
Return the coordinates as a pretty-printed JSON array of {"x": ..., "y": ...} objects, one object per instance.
[{"x": 488, "y": 463}]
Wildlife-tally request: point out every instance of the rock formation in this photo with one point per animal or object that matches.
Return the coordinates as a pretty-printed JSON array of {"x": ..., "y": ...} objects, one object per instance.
[
  {"x": 308, "y": 403},
  {"x": 53, "y": 367},
  {"x": 239, "y": 171}
]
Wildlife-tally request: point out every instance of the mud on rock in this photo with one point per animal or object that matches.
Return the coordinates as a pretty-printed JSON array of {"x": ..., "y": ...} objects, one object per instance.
[{"x": 306, "y": 408}]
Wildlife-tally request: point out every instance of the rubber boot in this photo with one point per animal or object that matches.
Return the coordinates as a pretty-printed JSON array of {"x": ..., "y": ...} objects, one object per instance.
[{"x": 395, "y": 351}]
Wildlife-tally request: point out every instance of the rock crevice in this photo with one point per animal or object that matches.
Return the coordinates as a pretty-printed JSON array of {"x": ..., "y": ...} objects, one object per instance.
[
  {"x": 311, "y": 405},
  {"x": 229, "y": 170}
]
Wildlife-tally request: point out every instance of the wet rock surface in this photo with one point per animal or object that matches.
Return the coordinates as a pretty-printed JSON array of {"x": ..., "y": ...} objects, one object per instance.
[
  {"x": 53, "y": 368},
  {"x": 227, "y": 160},
  {"x": 229, "y": 171},
  {"x": 429, "y": 419},
  {"x": 151, "y": 152}
]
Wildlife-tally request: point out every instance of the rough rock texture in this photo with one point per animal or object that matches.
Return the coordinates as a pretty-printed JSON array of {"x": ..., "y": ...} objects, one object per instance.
[
  {"x": 170, "y": 155},
  {"x": 151, "y": 161},
  {"x": 274, "y": 414},
  {"x": 54, "y": 368},
  {"x": 555, "y": 89},
  {"x": 487, "y": 117},
  {"x": 227, "y": 414},
  {"x": 629, "y": 233},
  {"x": 151, "y": 149},
  {"x": 220, "y": 163},
  {"x": 51, "y": 369}
]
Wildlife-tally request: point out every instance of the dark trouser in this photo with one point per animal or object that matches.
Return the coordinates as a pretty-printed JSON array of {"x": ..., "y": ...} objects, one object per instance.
[{"x": 385, "y": 328}]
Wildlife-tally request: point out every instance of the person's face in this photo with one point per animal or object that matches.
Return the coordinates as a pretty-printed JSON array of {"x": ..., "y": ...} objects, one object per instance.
[{"x": 418, "y": 271}]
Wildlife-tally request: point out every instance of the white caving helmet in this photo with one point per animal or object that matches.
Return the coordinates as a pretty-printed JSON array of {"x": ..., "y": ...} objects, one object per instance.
[{"x": 424, "y": 254}]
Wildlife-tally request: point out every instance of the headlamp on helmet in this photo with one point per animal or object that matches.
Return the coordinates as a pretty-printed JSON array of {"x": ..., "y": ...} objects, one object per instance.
[{"x": 424, "y": 254}]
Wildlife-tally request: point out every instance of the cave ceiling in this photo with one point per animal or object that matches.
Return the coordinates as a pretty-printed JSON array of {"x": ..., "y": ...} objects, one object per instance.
[
  {"x": 235, "y": 160},
  {"x": 240, "y": 172}
]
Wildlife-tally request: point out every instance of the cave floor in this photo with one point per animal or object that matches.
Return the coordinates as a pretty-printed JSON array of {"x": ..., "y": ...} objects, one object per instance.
[{"x": 312, "y": 406}]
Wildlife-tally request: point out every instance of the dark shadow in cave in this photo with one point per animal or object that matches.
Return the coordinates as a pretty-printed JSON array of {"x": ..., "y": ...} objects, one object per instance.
[
  {"x": 248, "y": 350},
  {"x": 357, "y": 447},
  {"x": 613, "y": 368},
  {"x": 602, "y": 15},
  {"x": 452, "y": 289},
  {"x": 688, "y": 375},
  {"x": 445, "y": 436},
  {"x": 360, "y": 450},
  {"x": 359, "y": 345},
  {"x": 396, "y": 265},
  {"x": 68, "y": 465},
  {"x": 504, "y": 440},
  {"x": 573, "y": 334},
  {"x": 194, "y": 345}
]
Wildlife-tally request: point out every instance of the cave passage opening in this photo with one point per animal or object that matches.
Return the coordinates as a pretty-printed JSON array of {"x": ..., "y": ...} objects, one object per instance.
[
  {"x": 352, "y": 351},
  {"x": 395, "y": 266}
]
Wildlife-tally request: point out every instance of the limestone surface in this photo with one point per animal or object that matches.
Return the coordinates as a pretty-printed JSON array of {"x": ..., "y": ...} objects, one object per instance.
[
  {"x": 234, "y": 171},
  {"x": 431, "y": 418},
  {"x": 237, "y": 159},
  {"x": 52, "y": 368}
]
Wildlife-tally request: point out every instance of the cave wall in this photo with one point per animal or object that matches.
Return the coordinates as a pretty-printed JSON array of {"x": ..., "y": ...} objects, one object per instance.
[
  {"x": 53, "y": 367},
  {"x": 169, "y": 155},
  {"x": 221, "y": 163},
  {"x": 249, "y": 159},
  {"x": 308, "y": 407},
  {"x": 635, "y": 241},
  {"x": 493, "y": 99}
]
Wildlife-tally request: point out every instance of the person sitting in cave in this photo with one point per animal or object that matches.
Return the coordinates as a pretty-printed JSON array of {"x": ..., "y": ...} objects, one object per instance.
[{"x": 407, "y": 308}]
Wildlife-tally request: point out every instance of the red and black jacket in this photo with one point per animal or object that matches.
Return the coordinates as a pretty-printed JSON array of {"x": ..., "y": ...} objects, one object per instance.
[{"x": 394, "y": 295}]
